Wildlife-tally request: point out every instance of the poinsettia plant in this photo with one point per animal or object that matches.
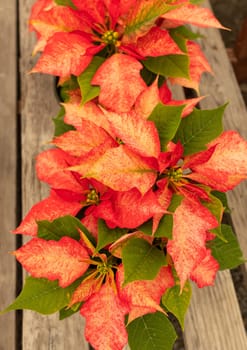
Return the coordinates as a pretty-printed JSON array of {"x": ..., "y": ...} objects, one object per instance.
[{"x": 137, "y": 179}]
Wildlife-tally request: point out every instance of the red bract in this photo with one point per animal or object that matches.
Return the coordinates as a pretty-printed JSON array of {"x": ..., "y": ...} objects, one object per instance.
[
  {"x": 76, "y": 114},
  {"x": 128, "y": 209},
  {"x": 39, "y": 7},
  {"x": 64, "y": 54},
  {"x": 49, "y": 208},
  {"x": 81, "y": 143},
  {"x": 112, "y": 76},
  {"x": 140, "y": 135},
  {"x": 120, "y": 169},
  {"x": 192, "y": 14},
  {"x": 227, "y": 166},
  {"x": 157, "y": 42},
  {"x": 53, "y": 19},
  {"x": 51, "y": 168},
  {"x": 88, "y": 287},
  {"x": 144, "y": 297},
  {"x": 187, "y": 247},
  {"x": 62, "y": 260},
  {"x": 153, "y": 95},
  {"x": 205, "y": 271},
  {"x": 104, "y": 313}
]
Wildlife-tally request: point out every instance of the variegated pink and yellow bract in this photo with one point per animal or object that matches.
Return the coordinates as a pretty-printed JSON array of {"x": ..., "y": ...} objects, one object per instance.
[
  {"x": 124, "y": 32},
  {"x": 136, "y": 178}
]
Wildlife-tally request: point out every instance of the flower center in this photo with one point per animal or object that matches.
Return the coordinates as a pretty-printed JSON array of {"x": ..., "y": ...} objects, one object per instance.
[
  {"x": 110, "y": 37},
  {"x": 175, "y": 175},
  {"x": 92, "y": 197},
  {"x": 103, "y": 268},
  {"x": 119, "y": 141}
]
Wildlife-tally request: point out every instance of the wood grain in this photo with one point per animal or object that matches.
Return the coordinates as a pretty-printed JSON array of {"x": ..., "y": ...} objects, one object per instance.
[
  {"x": 8, "y": 78},
  {"x": 39, "y": 105},
  {"x": 214, "y": 321}
]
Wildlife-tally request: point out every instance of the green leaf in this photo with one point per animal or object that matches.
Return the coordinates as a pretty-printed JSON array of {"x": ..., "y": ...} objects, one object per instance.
[
  {"x": 60, "y": 126},
  {"x": 167, "y": 120},
  {"x": 199, "y": 128},
  {"x": 147, "y": 76},
  {"x": 185, "y": 32},
  {"x": 43, "y": 296},
  {"x": 88, "y": 91},
  {"x": 107, "y": 235},
  {"x": 144, "y": 16},
  {"x": 66, "y": 88},
  {"x": 165, "y": 227},
  {"x": 63, "y": 226},
  {"x": 65, "y": 3},
  {"x": 228, "y": 254},
  {"x": 177, "y": 303},
  {"x": 173, "y": 66},
  {"x": 146, "y": 228},
  {"x": 215, "y": 206},
  {"x": 222, "y": 197},
  {"x": 196, "y": 2},
  {"x": 181, "y": 35},
  {"x": 141, "y": 260},
  {"x": 175, "y": 202},
  {"x": 151, "y": 332},
  {"x": 166, "y": 223},
  {"x": 67, "y": 312},
  {"x": 179, "y": 39}
]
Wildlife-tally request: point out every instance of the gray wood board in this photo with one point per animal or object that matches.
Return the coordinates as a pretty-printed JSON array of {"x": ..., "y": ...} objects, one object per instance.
[
  {"x": 8, "y": 78},
  {"x": 213, "y": 320}
]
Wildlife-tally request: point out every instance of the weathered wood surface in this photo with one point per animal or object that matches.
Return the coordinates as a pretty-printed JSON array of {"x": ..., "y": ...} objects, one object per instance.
[
  {"x": 8, "y": 167},
  {"x": 39, "y": 105},
  {"x": 214, "y": 321}
]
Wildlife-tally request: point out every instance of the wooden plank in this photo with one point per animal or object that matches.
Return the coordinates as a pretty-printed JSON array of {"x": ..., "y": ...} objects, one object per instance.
[
  {"x": 214, "y": 320},
  {"x": 39, "y": 105},
  {"x": 8, "y": 119},
  {"x": 222, "y": 88}
]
